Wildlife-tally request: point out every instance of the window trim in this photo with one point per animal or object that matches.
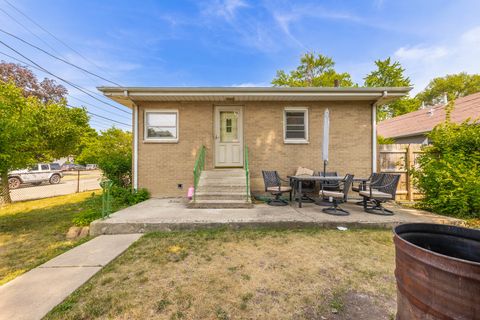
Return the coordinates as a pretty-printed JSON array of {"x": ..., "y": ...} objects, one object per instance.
[
  {"x": 160, "y": 140},
  {"x": 295, "y": 140}
]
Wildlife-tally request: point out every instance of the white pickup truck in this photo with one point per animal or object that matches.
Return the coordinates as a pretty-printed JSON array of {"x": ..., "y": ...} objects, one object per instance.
[{"x": 35, "y": 175}]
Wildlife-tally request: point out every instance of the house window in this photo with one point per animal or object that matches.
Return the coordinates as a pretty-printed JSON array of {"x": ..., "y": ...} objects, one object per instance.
[
  {"x": 161, "y": 126},
  {"x": 295, "y": 125}
]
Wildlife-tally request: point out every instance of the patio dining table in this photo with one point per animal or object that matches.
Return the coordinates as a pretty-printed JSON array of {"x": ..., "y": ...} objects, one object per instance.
[{"x": 295, "y": 181}]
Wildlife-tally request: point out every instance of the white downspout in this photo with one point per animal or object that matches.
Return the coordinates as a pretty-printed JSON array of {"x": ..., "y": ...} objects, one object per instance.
[
  {"x": 135, "y": 147},
  {"x": 374, "y": 131},
  {"x": 135, "y": 141}
]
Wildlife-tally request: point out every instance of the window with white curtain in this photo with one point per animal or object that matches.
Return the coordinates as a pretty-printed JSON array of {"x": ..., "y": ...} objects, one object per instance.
[{"x": 161, "y": 125}]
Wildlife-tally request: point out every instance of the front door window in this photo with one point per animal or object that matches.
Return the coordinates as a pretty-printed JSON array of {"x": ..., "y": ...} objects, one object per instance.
[{"x": 228, "y": 126}]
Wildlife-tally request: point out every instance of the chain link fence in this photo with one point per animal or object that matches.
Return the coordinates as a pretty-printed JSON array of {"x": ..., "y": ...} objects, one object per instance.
[{"x": 71, "y": 182}]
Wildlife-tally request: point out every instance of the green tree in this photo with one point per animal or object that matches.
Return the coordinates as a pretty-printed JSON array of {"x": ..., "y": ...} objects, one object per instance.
[
  {"x": 449, "y": 170},
  {"x": 33, "y": 131},
  {"x": 391, "y": 74},
  {"x": 454, "y": 85},
  {"x": 315, "y": 70},
  {"x": 112, "y": 151},
  {"x": 383, "y": 140}
]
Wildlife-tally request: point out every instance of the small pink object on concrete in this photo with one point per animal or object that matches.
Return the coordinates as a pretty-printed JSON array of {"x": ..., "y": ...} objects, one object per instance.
[{"x": 190, "y": 193}]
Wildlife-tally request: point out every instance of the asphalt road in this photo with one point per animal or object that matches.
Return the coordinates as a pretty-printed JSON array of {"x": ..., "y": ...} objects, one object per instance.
[{"x": 46, "y": 190}]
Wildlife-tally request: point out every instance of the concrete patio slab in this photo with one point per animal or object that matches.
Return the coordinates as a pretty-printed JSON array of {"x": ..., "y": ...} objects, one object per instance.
[
  {"x": 172, "y": 214},
  {"x": 35, "y": 293}
]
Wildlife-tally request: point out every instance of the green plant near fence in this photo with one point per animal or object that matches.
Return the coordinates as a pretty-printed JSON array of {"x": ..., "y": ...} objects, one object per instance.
[
  {"x": 198, "y": 168},
  {"x": 449, "y": 170}
]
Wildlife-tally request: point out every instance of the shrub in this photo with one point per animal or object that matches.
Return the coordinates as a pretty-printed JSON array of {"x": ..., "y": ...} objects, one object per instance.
[
  {"x": 449, "y": 170},
  {"x": 121, "y": 197},
  {"x": 112, "y": 151},
  {"x": 127, "y": 196}
]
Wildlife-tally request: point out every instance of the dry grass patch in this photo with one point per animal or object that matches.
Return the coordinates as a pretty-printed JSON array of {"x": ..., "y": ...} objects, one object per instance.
[
  {"x": 263, "y": 274},
  {"x": 33, "y": 232}
]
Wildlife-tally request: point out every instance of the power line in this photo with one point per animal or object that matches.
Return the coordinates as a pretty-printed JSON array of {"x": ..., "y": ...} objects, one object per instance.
[
  {"x": 29, "y": 31},
  {"x": 55, "y": 37},
  {"x": 58, "y": 58},
  {"x": 98, "y": 123},
  {"x": 61, "y": 79},
  {"x": 71, "y": 96},
  {"x": 97, "y": 115}
]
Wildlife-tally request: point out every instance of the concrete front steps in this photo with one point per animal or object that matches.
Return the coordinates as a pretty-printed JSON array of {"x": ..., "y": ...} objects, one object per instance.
[{"x": 220, "y": 189}]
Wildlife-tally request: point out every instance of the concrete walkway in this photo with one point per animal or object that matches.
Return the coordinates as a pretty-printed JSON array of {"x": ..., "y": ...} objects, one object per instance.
[
  {"x": 173, "y": 214},
  {"x": 35, "y": 293}
]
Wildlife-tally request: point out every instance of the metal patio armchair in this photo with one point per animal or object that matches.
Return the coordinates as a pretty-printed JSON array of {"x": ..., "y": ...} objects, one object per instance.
[
  {"x": 273, "y": 185},
  {"x": 379, "y": 194},
  {"x": 338, "y": 197},
  {"x": 308, "y": 187},
  {"x": 373, "y": 181},
  {"x": 330, "y": 185}
]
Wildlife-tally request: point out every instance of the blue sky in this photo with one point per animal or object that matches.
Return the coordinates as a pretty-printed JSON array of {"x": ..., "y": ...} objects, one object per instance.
[{"x": 240, "y": 42}]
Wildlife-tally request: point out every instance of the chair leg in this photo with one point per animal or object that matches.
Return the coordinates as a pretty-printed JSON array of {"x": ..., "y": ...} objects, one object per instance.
[
  {"x": 336, "y": 210},
  {"x": 277, "y": 201},
  {"x": 290, "y": 195},
  {"x": 378, "y": 209}
]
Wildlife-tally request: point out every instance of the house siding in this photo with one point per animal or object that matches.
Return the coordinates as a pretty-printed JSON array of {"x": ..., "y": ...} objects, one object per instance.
[{"x": 162, "y": 166}]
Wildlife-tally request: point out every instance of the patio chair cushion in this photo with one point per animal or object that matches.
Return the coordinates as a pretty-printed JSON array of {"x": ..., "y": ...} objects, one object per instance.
[
  {"x": 301, "y": 171},
  {"x": 376, "y": 194},
  {"x": 333, "y": 194},
  {"x": 357, "y": 189},
  {"x": 281, "y": 189}
]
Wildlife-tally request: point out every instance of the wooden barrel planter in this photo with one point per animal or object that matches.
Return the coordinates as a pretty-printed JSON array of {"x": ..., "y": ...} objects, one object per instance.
[{"x": 437, "y": 272}]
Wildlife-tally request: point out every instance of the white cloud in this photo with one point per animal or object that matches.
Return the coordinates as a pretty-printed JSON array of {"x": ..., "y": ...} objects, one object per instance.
[
  {"x": 471, "y": 37},
  {"x": 251, "y": 84},
  {"x": 420, "y": 53},
  {"x": 423, "y": 63},
  {"x": 224, "y": 8}
]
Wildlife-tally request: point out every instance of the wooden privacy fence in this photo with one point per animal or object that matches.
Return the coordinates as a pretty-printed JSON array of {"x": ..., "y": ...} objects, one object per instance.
[{"x": 401, "y": 159}]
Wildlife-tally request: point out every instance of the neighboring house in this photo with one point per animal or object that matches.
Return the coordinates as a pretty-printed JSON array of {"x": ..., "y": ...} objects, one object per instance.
[
  {"x": 413, "y": 127},
  {"x": 282, "y": 128}
]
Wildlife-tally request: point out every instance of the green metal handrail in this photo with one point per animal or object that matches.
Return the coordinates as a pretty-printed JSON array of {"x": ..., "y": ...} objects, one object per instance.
[
  {"x": 247, "y": 172},
  {"x": 198, "y": 168},
  {"x": 106, "y": 185}
]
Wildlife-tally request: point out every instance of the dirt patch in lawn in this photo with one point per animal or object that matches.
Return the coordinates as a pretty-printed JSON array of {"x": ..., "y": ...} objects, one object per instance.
[{"x": 263, "y": 274}]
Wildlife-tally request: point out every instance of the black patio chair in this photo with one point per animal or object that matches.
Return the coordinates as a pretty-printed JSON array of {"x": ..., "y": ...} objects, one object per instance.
[
  {"x": 330, "y": 185},
  {"x": 273, "y": 185},
  {"x": 308, "y": 188},
  {"x": 378, "y": 194},
  {"x": 374, "y": 180},
  {"x": 338, "y": 197}
]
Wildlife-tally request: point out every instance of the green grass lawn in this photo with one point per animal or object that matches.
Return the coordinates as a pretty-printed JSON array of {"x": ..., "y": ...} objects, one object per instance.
[
  {"x": 247, "y": 274},
  {"x": 33, "y": 232}
]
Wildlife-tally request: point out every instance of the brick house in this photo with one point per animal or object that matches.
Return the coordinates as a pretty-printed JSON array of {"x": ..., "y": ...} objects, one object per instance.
[{"x": 282, "y": 128}]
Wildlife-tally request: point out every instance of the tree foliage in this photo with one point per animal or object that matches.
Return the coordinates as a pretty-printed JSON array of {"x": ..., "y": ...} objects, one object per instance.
[
  {"x": 315, "y": 70},
  {"x": 387, "y": 74},
  {"x": 391, "y": 74},
  {"x": 33, "y": 131},
  {"x": 454, "y": 85},
  {"x": 112, "y": 151},
  {"x": 449, "y": 170},
  {"x": 46, "y": 90}
]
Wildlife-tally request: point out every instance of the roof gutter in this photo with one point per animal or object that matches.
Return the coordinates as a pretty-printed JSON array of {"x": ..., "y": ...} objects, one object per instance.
[{"x": 374, "y": 129}]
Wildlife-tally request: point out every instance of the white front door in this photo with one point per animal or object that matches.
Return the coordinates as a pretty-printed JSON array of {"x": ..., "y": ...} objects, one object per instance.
[{"x": 229, "y": 136}]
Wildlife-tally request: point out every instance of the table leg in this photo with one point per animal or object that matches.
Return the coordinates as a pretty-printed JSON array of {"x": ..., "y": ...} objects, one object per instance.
[{"x": 300, "y": 193}]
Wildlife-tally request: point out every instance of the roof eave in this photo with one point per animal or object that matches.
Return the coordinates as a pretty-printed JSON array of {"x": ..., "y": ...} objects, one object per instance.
[{"x": 128, "y": 95}]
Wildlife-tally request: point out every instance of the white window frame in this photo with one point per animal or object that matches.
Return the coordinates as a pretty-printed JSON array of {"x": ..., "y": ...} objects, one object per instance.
[
  {"x": 290, "y": 140},
  {"x": 157, "y": 139}
]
